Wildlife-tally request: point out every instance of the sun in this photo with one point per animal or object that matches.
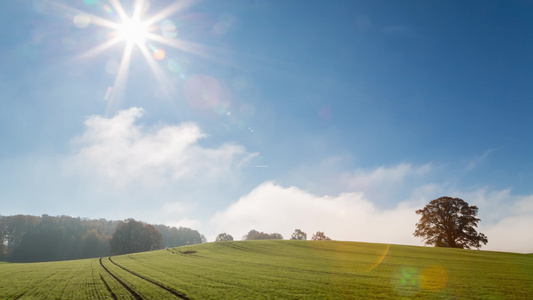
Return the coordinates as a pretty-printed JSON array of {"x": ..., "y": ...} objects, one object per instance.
[
  {"x": 133, "y": 32},
  {"x": 136, "y": 29}
]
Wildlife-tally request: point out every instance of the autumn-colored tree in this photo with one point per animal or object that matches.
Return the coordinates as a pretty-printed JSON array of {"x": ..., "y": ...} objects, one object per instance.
[
  {"x": 25, "y": 238},
  {"x": 223, "y": 237},
  {"x": 299, "y": 235},
  {"x": 133, "y": 236},
  {"x": 320, "y": 236},
  {"x": 95, "y": 244},
  {"x": 449, "y": 222}
]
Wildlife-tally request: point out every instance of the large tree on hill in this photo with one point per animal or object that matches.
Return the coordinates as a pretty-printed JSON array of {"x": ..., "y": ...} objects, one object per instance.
[
  {"x": 134, "y": 236},
  {"x": 449, "y": 222}
]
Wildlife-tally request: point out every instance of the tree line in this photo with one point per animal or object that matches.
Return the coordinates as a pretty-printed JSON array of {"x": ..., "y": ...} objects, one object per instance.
[
  {"x": 25, "y": 238},
  {"x": 258, "y": 235},
  {"x": 444, "y": 222}
]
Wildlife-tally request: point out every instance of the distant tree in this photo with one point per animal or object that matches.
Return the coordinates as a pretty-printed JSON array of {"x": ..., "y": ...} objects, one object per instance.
[
  {"x": 95, "y": 244},
  {"x": 174, "y": 237},
  {"x": 320, "y": 236},
  {"x": 39, "y": 243},
  {"x": 26, "y": 238},
  {"x": 13, "y": 229},
  {"x": 299, "y": 235},
  {"x": 134, "y": 236},
  {"x": 449, "y": 222},
  {"x": 46, "y": 238},
  {"x": 3, "y": 248},
  {"x": 275, "y": 236},
  {"x": 223, "y": 237},
  {"x": 256, "y": 235}
]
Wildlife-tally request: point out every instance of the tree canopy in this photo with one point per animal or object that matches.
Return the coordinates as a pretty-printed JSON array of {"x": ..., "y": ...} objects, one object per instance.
[
  {"x": 256, "y": 235},
  {"x": 25, "y": 238},
  {"x": 320, "y": 236},
  {"x": 175, "y": 237},
  {"x": 134, "y": 236},
  {"x": 223, "y": 237},
  {"x": 449, "y": 222},
  {"x": 299, "y": 235}
]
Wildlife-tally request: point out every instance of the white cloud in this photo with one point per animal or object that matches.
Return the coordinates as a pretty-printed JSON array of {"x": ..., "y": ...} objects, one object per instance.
[
  {"x": 120, "y": 151},
  {"x": 353, "y": 217},
  {"x": 507, "y": 220},
  {"x": 493, "y": 205},
  {"x": 349, "y": 216},
  {"x": 372, "y": 205},
  {"x": 512, "y": 233},
  {"x": 525, "y": 204},
  {"x": 385, "y": 185}
]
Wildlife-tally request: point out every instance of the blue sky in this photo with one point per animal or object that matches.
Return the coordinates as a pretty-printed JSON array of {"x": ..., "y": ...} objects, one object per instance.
[{"x": 343, "y": 116}]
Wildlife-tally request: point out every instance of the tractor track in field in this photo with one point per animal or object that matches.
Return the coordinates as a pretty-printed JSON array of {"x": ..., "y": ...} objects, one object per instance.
[
  {"x": 127, "y": 287},
  {"x": 108, "y": 288},
  {"x": 166, "y": 288}
]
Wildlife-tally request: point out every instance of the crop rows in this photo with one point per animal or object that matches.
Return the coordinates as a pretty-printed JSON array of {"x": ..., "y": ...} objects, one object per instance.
[
  {"x": 278, "y": 270},
  {"x": 83, "y": 279}
]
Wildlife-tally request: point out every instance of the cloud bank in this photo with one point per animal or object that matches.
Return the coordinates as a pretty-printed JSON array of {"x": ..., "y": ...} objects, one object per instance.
[
  {"x": 167, "y": 164},
  {"x": 122, "y": 152},
  {"x": 353, "y": 217},
  {"x": 348, "y": 216}
]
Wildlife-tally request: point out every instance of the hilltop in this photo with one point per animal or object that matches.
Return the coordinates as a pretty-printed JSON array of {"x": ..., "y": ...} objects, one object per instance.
[{"x": 279, "y": 269}]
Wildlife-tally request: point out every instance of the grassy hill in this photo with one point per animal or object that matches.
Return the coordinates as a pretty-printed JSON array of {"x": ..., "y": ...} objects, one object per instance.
[{"x": 278, "y": 269}]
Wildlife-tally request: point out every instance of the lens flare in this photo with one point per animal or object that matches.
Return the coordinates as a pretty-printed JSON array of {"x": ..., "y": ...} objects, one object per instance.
[
  {"x": 108, "y": 93},
  {"x": 434, "y": 278},
  {"x": 168, "y": 29},
  {"x": 109, "y": 10},
  {"x": 159, "y": 54},
  {"x": 202, "y": 91},
  {"x": 90, "y": 2},
  {"x": 81, "y": 21},
  {"x": 174, "y": 66},
  {"x": 406, "y": 281}
]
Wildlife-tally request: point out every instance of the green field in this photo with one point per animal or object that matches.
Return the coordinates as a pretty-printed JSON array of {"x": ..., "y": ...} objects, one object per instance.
[{"x": 278, "y": 269}]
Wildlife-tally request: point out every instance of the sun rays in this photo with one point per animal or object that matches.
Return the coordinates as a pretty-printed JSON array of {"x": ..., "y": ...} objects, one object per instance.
[
  {"x": 158, "y": 46},
  {"x": 139, "y": 30}
]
